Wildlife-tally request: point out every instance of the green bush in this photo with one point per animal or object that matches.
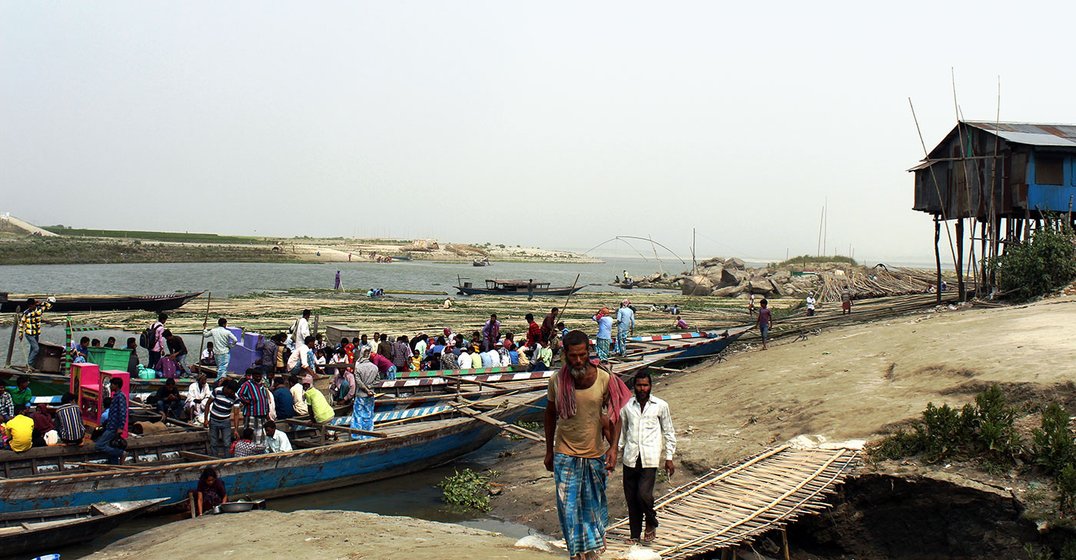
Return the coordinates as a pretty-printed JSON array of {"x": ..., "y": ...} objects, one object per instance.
[
  {"x": 1034, "y": 268},
  {"x": 1066, "y": 488},
  {"x": 984, "y": 428},
  {"x": 1053, "y": 446},
  {"x": 466, "y": 490},
  {"x": 996, "y": 422}
]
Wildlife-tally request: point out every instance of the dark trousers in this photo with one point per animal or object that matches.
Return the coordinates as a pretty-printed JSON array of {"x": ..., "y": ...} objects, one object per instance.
[
  {"x": 154, "y": 357},
  {"x": 639, "y": 493}
]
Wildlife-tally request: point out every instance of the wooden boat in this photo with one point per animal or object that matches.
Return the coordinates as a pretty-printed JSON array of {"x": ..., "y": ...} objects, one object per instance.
[
  {"x": 46, "y": 529},
  {"x": 391, "y": 451},
  {"x": 528, "y": 288},
  {"x": 680, "y": 347},
  {"x": 481, "y": 262},
  {"x": 74, "y": 303}
]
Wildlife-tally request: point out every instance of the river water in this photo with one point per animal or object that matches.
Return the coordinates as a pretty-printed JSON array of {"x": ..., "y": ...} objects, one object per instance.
[{"x": 228, "y": 279}]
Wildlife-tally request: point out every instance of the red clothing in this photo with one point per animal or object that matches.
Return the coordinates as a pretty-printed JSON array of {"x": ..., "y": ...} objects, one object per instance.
[
  {"x": 547, "y": 328},
  {"x": 534, "y": 334},
  {"x": 383, "y": 364}
]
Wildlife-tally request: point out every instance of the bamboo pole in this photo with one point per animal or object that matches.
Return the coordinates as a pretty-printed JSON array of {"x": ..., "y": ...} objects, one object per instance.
[{"x": 205, "y": 323}]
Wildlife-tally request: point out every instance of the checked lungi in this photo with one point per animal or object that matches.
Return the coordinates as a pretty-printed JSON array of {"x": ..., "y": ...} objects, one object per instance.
[
  {"x": 256, "y": 423},
  {"x": 581, "y": 502}
]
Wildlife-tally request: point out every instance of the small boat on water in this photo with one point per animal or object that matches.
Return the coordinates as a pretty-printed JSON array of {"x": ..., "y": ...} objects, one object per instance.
[
  {"x": 481, "y": 262},
  {"x": 528, "y": 288},
  {"x": 41, "y": 530},
  {"x": 75, "y": 303}
]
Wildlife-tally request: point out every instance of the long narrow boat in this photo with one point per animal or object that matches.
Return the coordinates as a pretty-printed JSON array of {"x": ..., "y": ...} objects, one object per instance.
[
  {"x": 679, "y": 347},
  {"x": 528, "y": 288},
  {"x": 74, "y": 303},
  {"x": 397, "y": 449},
  {"x": 38, "y": 530}
]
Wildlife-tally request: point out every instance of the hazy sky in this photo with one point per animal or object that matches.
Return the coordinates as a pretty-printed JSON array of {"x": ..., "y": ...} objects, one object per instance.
[{"x": 559, "y": 124}]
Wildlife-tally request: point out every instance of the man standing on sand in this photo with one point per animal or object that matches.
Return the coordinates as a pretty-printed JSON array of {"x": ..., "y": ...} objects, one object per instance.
[
  {"x": 646, "y": 437},
  {"x": 604, "y": 338},
  {"x": 846, "y": 301},
  {"x": 625, "y": 324},
  {"x": 574, "y": 428},
  {"x": 764, "y": 321},
  {"x": 336, "y": 286}
]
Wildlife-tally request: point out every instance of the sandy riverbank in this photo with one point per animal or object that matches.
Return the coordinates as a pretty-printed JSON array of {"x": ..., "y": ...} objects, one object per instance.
[
  {"x": 845, "y": 383},
  {"x": 322, "y": 534}
]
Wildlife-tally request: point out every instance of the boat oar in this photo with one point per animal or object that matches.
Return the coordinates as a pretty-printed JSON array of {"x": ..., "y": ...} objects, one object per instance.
[{"x": 205, "y": 323}]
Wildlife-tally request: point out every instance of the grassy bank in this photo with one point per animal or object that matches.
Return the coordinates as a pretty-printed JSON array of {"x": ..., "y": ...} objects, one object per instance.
[
  {"x": 64, "y": 250},
  {"x": 169, "y": 236}
]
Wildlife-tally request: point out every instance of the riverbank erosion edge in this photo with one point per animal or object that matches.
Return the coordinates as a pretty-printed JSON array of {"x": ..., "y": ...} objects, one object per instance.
[{"x": 316, "y": 534}]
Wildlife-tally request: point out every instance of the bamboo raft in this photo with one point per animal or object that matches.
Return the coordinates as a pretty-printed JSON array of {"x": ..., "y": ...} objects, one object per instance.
[{"x": 735, "y": 504}]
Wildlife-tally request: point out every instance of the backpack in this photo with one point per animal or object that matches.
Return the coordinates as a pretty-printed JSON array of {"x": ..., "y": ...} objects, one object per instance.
[{"x": 148, "y": 338}]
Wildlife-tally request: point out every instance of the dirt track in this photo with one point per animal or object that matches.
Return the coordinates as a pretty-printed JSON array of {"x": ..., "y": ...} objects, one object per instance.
[{"x": 846, "y": 383}]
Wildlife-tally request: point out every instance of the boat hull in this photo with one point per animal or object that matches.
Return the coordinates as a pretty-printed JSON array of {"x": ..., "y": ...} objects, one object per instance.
[
  {"x": 471, "y": 291},
  {"x": 70, "y": 304},
  {"x": 262, "y": 476},
  {"x": 61, "y": 534}
]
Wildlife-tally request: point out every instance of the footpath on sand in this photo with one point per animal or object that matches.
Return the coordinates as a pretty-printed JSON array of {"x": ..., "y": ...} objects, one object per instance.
[
  {"x": 845, "y": 383},
  {"x": 316, "y": 534}
]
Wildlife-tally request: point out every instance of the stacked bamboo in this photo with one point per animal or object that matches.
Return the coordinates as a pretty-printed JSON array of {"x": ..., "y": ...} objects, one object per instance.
[
  {"x": 874, "y": 282},
  {"x": 729, "y": 507}
]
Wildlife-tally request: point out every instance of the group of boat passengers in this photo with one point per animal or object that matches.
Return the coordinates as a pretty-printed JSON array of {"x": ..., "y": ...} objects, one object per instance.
[{"x": 592, "y": 420}]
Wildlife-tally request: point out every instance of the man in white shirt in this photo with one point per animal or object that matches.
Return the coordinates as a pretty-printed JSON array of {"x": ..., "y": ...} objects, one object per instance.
[
  {"x": 647, "y": 439},
  {"x": 300, "y": 329},
  {"x": 299, "y": 362},
  {"x": 198, "y": 395},
  {"x": 223, "y": 342},
  {"x": 275, "y": 440},
  {"x": 464, "y": 359},
  {"x": 810, "y": 304}
]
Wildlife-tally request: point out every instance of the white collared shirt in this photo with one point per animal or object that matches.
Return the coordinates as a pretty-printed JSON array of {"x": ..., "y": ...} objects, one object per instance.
[
  {"x": 645, "y": 433},
  {"x": 279, "y": 442}
]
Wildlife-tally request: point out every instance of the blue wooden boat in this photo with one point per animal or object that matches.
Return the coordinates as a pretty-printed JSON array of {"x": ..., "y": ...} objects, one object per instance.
[
  {"x": 399, "y": 449},
  {"x": 681, "y": 347}
]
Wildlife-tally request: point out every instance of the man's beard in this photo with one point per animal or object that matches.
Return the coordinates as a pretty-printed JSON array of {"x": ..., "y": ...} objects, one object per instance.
[{"x": 578, "y": 373}]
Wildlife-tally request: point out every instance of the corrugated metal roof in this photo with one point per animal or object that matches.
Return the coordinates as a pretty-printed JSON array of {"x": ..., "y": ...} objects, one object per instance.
[{"x": 1031, "y": 134}]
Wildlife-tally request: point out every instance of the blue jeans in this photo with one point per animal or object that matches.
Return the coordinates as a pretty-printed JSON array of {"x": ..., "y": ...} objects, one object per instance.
[
  {"x": 31, "y": 339},
  {"x": 104, "y": 445},
  {"x": 220, "y": 437},
  {"x": 222, "y": 363}
]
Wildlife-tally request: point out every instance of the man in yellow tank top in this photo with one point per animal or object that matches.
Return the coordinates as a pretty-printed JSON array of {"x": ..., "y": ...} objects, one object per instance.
[{"x": 577, "y": 417}]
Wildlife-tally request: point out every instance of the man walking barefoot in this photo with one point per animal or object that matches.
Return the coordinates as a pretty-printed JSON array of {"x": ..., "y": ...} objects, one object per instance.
[{"x": 574, "y": 430}]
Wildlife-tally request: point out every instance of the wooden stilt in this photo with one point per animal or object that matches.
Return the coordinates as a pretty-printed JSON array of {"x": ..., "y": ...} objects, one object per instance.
[
  {"x": 937, "y": 257},
  {"x": 784, "y": 543},
  {"x": 960, "y": 258}
]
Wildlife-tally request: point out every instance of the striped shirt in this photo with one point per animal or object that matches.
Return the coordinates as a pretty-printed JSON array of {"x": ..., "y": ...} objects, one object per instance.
[
  {"x": 31, "y": 319},
  {"x": 221, "y": 408},
  {"x": 255, "y": 399},
  {"x": 69, "y": 423}
]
